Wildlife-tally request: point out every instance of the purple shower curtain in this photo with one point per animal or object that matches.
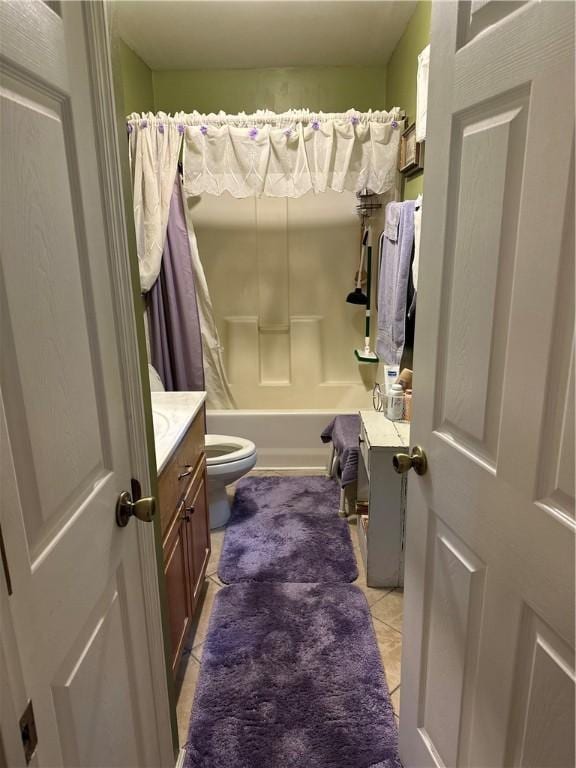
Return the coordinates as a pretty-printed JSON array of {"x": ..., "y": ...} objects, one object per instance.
[{"x": 175, "y": 339}]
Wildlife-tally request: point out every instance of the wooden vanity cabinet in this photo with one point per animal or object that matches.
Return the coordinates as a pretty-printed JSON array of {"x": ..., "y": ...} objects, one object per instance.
[
  {"x": 178, "y": 588},
  {"x": 185, "y": 532},
  {"x": 195, "y": 514}
]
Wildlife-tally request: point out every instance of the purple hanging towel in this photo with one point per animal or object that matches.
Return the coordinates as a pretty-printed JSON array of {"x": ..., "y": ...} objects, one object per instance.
[{"x": 175, "y": 339}]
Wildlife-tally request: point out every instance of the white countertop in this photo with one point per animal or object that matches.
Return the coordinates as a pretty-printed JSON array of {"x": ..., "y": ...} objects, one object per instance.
[
  {"x": 383, "y": 433},
  {"x": 173, "y": 412}
]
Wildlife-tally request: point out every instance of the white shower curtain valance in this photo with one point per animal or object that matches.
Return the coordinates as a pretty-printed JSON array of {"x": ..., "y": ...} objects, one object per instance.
[{"x": 275, "y": 155}]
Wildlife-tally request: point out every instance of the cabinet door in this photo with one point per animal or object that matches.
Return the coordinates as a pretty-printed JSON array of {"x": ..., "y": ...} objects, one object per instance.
[
  {"x": 178, "y": 587},
  {"x": 197, "y": 531}
]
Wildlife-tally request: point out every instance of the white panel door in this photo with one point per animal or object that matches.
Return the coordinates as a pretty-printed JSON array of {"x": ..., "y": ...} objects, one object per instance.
[
  {"x": 488, "y": 658},
  {"x": 77, "y": 604}
]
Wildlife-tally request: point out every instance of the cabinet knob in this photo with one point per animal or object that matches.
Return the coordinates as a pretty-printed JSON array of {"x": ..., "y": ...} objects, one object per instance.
[
  {"x": 187, "y": 512},
  {"x": 187, "y": 473},
  {"x": 416, "y": 460}
]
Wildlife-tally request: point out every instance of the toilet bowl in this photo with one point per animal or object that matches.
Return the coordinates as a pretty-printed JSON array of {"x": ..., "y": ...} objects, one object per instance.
[{"x": 227, "y": 460}]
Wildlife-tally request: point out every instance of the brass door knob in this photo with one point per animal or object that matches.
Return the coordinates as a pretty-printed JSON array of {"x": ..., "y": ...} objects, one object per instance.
[
  {"x": 415, "y": 460},
  {"x": 144, "y": 509}
]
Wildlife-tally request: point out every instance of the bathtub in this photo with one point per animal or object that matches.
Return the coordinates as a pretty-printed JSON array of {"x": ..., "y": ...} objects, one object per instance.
[{"x": 284, "y": 439}]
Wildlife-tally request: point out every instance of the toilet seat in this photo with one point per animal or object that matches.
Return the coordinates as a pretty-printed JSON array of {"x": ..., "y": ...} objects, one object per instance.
[{"x": 222, "y": 449}]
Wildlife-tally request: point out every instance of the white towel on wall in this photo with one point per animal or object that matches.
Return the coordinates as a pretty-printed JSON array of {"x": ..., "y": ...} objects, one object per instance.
[
  {"x": 417, "y": 226},
  {"x": 422, "y": 93},
  {"x": 392, "y": 222}
]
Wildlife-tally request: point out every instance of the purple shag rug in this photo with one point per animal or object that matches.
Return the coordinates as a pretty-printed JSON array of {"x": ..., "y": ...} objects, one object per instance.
[
  {"x": 291, "y": 678},
  {"x": 287, "y": 529}
]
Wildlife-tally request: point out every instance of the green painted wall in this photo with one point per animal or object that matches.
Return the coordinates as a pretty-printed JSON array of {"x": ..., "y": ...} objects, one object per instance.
[
  {"x": 401, "y": 76},
  {"x": 330, "y": 89},
  {"x": 136, "y": 81}
]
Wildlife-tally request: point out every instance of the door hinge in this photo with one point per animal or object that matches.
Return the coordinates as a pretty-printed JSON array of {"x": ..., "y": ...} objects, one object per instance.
[
  {"x": 28, "y": 732},
  {"x": 5, "y": 563}
]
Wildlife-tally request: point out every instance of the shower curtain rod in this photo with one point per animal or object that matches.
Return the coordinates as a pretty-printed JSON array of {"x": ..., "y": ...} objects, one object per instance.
[{"x": 263, "y": 116}]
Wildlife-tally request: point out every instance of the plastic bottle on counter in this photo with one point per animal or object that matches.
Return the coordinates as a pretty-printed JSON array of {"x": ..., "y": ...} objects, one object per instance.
[
  {"x": 408, "y": 405},
  {"x": 390, "y": 376},
  {"x": 395, "y": 406}
]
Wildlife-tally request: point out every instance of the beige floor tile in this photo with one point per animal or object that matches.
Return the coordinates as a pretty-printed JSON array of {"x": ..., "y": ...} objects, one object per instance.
[
  {"x": 216, "y": 542},
  {"x": 372, "y": 594},
  {"x": 186, "y": 698},
  {"x": 200, "y": 628},
  {"x": 395, "y": 696},
  {"x": 196, "y": 642},
  {"x": 354, "y": 537},
  {"x": 390, "y": 647},
  {"x": 389, "y": 609},
  {"x": 197, "y": 651}
]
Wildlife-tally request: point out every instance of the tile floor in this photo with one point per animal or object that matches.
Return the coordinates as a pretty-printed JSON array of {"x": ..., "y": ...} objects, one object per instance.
[{"x": 385, "y": 606}]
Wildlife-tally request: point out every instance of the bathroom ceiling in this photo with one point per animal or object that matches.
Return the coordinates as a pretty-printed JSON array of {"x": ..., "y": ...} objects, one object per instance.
[{"x": 241, "y": 34}]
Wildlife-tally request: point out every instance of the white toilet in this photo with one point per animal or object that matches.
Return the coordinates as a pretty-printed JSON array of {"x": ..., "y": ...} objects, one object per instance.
[{"x": 227, "y": 459}]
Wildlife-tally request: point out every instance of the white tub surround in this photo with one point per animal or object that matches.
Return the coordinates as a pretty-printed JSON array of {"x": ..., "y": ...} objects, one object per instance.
[
  {"x": 173, "y": 412},
  {"x": 288, "y": 336}
]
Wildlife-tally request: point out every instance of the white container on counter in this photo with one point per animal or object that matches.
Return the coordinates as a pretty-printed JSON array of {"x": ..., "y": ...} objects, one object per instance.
[{"x": 395, "y": 403}]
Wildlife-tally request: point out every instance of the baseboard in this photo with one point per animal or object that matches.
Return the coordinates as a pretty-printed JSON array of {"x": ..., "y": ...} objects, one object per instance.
[{"x": 276, "y": 468}]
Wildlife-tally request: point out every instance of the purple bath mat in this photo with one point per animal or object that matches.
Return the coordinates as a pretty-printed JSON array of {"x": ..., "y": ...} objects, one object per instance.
[
  {"x": 287, "y": 529},
  {"x": 291, "y": 678}
]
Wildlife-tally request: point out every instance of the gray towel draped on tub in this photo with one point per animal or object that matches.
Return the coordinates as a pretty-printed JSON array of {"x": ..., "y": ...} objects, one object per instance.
[{"x": 343, "y": 431}]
